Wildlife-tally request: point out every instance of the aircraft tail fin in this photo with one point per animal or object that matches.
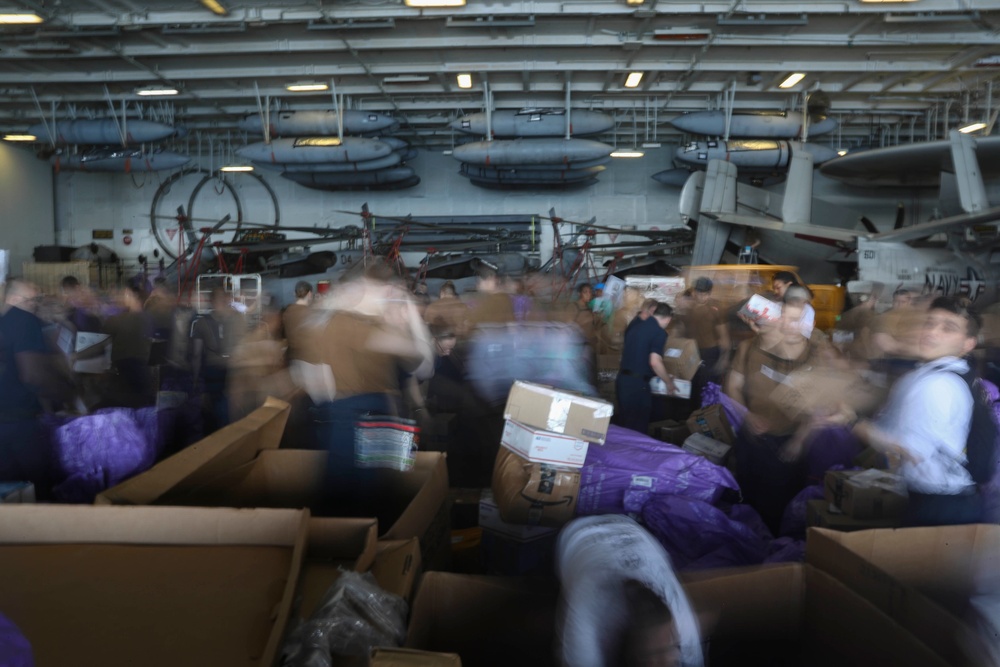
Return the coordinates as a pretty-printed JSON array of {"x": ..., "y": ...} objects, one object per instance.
[
  {"x": 796, "y": 207},
  {"x": 719, "y": 196},
  {"x": 971, "y": 190}
]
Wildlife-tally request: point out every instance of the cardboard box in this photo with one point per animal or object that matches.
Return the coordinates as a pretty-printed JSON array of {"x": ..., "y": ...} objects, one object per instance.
[
  {"x": 535, "y": 494},
  {"x": 793, "y": 613},
  {"x": 760, "y": 310},
  {"x": 704, "y": 446},
  {"x": 150, "y": 585},
  {"x": 819, "y": 514},
  {"x": 238, "y": 466},
  {"x": 559, "y": 411},
  {"x": 923, "y": 577},
  {"x": 397, "y": 566},
  {"x": 711, "y": 421},
  {"x": 661, "y": 288},
  {"x": 17, "y": 492},
  {"x": 659, "y": 388},
  {"x": 669, "y": 430},
  {"x": 542, "y": 446},
  {"x": 797, "y": 614},
  {"x": 948, "y": 564},
  {"x": 333, "y": 544},
  {"x": 866, "y": 494},
  {"x": 681, "y": 357},
  {"x": 490, "y": 519},
  {"x": 498, "y": 621},
  {"x": 607, "y": 367},
  {"x": 405, "y": 657}
]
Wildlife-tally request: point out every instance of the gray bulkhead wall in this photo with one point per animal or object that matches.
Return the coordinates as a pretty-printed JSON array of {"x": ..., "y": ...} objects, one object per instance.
[
  {"x": 625, "y": 194},
  {"x": 27, "y": 217}
]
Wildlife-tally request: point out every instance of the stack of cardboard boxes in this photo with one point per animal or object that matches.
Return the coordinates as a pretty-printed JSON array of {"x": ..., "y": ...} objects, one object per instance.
[{"x": 536, "y": 477}]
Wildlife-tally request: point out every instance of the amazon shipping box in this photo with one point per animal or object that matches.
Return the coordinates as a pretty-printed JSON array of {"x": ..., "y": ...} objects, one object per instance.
[
  {"x": 866, "y": 494},
  {"x": 543, "y": 446},
  {"x": 563, "y": 412},
  {"x": 532, "y": 493},
  {"x": 711, "y": 421},
  {"x": 681, "y": 357}
]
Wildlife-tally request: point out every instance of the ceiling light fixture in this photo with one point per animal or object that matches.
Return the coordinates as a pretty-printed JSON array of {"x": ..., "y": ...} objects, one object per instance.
[
  {"x": 627, "y": 152},
  {"x": 634, "y": 3},
  {"x": 842, "y": 152},
  {"x": 307, "y": 87},
  {"x": 792, "y": 80},
  {"x": 19, "y": 137},
  {"x": 236, "y": 168},
  {"x": 465, "y": 81},
  {"x": 974, "y": 127},
  {"x": 155, "y": 92},
  {"x": 633, "y": 79},
  {"x": 20, "y": 19},
  {"x": 215, "y": 7},
  {"x": 434, "y": 3}
]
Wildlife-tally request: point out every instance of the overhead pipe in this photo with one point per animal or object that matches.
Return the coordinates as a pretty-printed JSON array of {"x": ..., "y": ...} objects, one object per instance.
[
  {"x": 489, "y": 109},
  {"x": 41, "y": 114},
  {"x": 337, "y": 109},
  {"x": 264, "y": 111},
  {"x": 730, "y": 100},
  {"x": 569, "y": 122},
  {"x": 947, "y": 119},
  {"x": 122, "y": 135}
]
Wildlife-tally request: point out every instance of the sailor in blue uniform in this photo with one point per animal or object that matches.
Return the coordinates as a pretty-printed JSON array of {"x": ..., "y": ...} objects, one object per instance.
[{"x": 642, "y": 360}]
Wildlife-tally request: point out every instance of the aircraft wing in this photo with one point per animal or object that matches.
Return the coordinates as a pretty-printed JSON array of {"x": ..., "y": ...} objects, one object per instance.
[
  {"x": 926, "y": 229},
  {"x": 819, "y": 231}
]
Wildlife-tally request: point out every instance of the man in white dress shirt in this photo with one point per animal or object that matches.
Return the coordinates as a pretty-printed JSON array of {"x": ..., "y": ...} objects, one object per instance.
[{"x": 925, "y": 422}]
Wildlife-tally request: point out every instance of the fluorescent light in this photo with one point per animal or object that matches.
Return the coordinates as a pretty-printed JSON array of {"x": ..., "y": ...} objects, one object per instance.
[
  {"x": 633, "y": 79},
  {"x": 434, "y": 3},
  {"x": 307, "y": 87},
  {"x": 19, "y": 137},
  {"x": 236, "y": 168},
  {"x": 975, "y": 127},
  {"x": 155, "y": 92},
  {"x": 627, "y": 152},
  {"x": 634, "y": 3},
  {"x": 792, "y": 80},
  {"x": 886, "y": 1},
  {"x": 651, "y": 144},
  {"x": 215, "y": 7},
  {"x": 465, "y": 81},
  {"x": 842, "y": 152},
  {"x": 14, "y": 19}
]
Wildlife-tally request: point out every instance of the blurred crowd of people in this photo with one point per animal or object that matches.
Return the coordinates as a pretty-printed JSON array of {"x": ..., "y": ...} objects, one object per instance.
[{"x": 375, "y": 344}]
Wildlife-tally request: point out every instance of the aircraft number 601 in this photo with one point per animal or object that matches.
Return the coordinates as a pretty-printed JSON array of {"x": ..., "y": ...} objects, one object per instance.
[{"x": 869, "y": 254}]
